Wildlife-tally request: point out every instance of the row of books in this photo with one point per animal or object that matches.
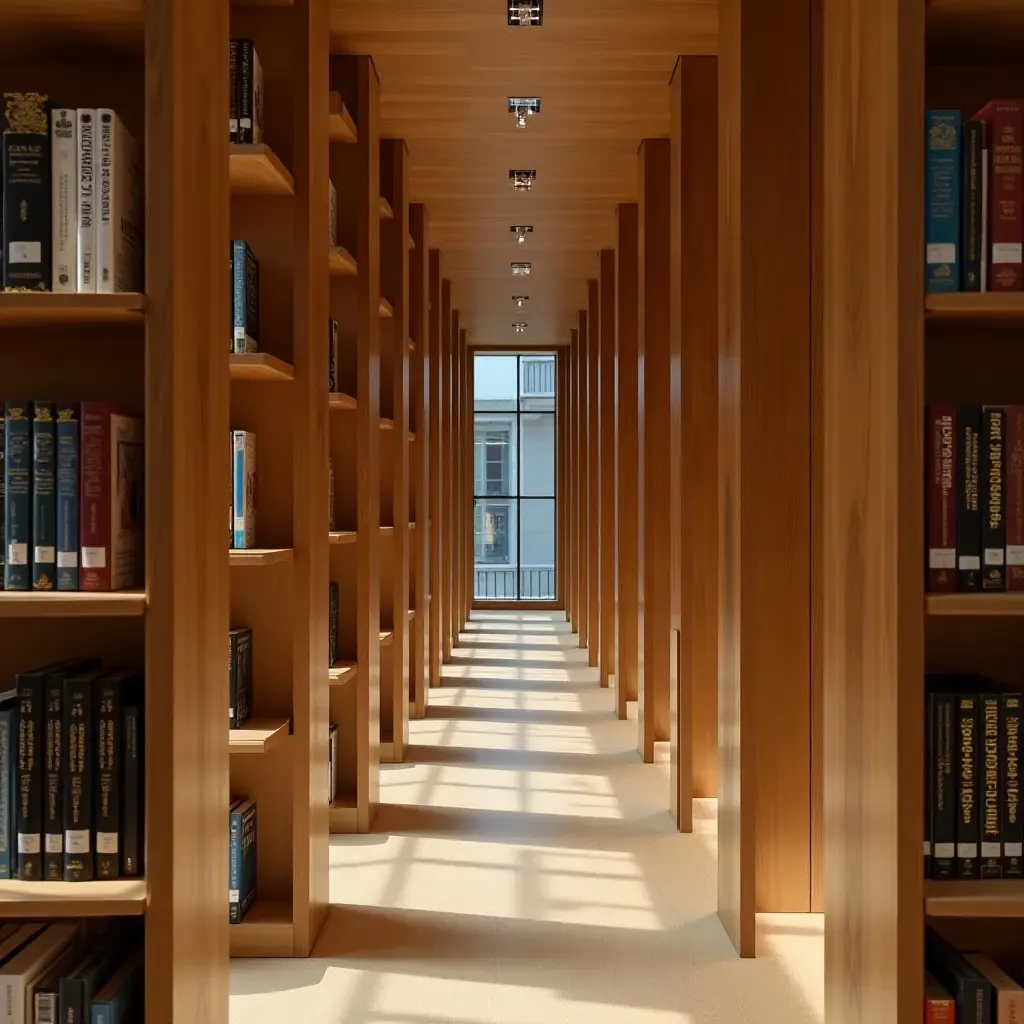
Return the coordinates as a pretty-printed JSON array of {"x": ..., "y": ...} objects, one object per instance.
[
  {"x": 72, "y": 488},
  {"x": 241, "y": 857},
  {"x": 974, "y": 500},
  {"x": 240, "y": 676},
  {"x": 974, "y": 199},
  {"x": 245, "y": 93},
  {"x": 72, "y": 781},
  {"x": 968, "y": 988},
  {"x": 75, "y": 972},
  {"x": 73, "y": 208}
]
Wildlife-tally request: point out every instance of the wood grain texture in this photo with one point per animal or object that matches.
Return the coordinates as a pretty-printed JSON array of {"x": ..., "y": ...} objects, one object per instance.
[
  {"x": 873, "y": 543},
  {"x": 452, "y": 596},
  {"x": 466, "y": 494},
  {"x": 583, "y": 474},
  {"x": 186, "y": 404},
  {"x": 593, "y": 496},
  {"x": 764, "y": 502},
  {"x": 606, "y": 457},
  {"x": 444, "y": 470},
  {"x": 436, "y": 467},
  {"x": 627, "y": 459},
  {"x": 572, "y": 478},
  {"x": 656, "y": 466},
  {"x": 562, "y": 503}
]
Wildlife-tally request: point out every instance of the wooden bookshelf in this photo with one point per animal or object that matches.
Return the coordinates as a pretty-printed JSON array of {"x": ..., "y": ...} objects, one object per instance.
[
  {"x": 341, "y": 401},
  {"x": 341, "y": 262},
  {"x": 977, "y": 307},
  {"x": 342, "y": 673},
  {"x": 340, "y": 126},
  {"x": 256, "y": 170},
  {"x": 47, "y": 605},
  {"x": 384, "y": 209},
  {"x": 122, "y": 897},
  {"x": 260, "y": 366},
  {"x": 266, "y": 929},
  {"x": 982, "y": 899},
  {"x": 385, "y": 308},
  {"x": 975, "y": 604},
  {"x": 251, "y": 557},
  {"x": 45, "y": 309},
  {"x": 258, "y": 736}
]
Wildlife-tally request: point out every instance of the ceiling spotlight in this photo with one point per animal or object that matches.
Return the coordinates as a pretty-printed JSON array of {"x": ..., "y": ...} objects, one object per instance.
[
  {"x": 520, "y": 327},
  {"x": 523, "y": 107},
  {"x": 520, "y": 300},
  {"x": 522, "y": 181},
  {"x": 521, "y": 269},
  {"x": 525, "y": 12},
  {"x": 521, "y": 231}
]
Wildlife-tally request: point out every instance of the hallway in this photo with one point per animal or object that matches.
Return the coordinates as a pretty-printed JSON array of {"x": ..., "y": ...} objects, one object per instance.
[{"x": 523, "y": 869}]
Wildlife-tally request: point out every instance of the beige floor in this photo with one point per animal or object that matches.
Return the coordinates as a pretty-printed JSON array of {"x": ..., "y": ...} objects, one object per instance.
[{"x": 525, "y": 870}]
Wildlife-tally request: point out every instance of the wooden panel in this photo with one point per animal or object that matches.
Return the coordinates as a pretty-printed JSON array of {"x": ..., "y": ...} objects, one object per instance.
[
  {"x": 562, "y": 439},
  {"x": 436, "y": 468},
  {"x": 465, "y": 506},
  {"x": 764, "y": 503},
  {"x": 694, "y": 224},
  {"x": 606, "y": 458},
  {"x": 583, "y": 476},
  {"x": 593, "y": 453},
  {"x": 627, "y": 459},
  {"x": 444, "y": 470},
  {"x": 572, "y": 479},
  {"x": 873, "y": 539}
]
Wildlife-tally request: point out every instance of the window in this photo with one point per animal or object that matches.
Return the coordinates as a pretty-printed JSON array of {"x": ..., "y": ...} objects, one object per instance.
[{"x": 492, "y": 459}]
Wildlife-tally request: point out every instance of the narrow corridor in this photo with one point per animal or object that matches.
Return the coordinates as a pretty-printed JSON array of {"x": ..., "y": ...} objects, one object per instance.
[{"x": 523, "y": 869}]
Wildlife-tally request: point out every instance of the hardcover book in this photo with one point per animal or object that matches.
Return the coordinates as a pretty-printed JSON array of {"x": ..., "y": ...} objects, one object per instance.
[
  {"x": 332, "y": 346},
  {"x": 250, "y": 94},
  {"x": 29, "y": 807},
  {"x": 44, "y": 497},
  {"x": 53, "y": 777},
  {"x": 240, "y": 676},
  {"x": 242, "y": 858},
  {"x": 1013, "y": 823},
  {"x": 24, "y": 971},
  {"x": 17, "y": 493},
  {"x": 3, "y": 503},
  {"x": 68, "y": 469},
  {"x": 133, "y": 790},
  {"x": 86, "y": 200},
  {"x": 332, "y": 761},
  {"x": 993, "y": 497},
  {"x": 943, "y": 786},
  {"x": 64, "y": 198},
  {"x": 332, "y": 625},
  {"x": 1015, "y": 497},
  {"x": 938, "y": 1003},
  {"x": 331, "y": 523},
  {"x": 942, "y": 498},
  {"x": 942, "y": 200},
  {"x": 1008, "y": 995},
  {"x": 968, "y": 513},
  {"x": 968, "y": 824},
  {"x": 991, "y": 797},
  {"x": 233, "y": 91},
  {"x": 243, "y": 449},
  {"x": 332, "y": 214},
  {"x": 974, "y": 211},
  {"x": 119, "y": 248},
  {"x": 8, "y": 782},
  {"x": 120, "y": 1000},
  {"x": 111, "y": 690},
  {"x": 971, "y": 991},
  {"x": 79, "y": 776},
  {"x": 245, "y": 298}
]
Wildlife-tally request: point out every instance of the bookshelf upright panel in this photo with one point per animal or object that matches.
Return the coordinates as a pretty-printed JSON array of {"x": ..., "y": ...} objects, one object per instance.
[{"x": 436, "y": 507}]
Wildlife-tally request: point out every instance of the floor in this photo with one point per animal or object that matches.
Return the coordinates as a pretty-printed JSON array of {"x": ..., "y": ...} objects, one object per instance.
[{"x": 524, "y": 870}]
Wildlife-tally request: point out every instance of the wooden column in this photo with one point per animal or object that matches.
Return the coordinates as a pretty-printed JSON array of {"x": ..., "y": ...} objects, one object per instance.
[
  {"x": 606, "y": 457},
  {"x": 453, "y": 482},
  {"x": 583, "y": 476},
  {"x": 694, "y": 290},
  {"x": 444, "y": 470},
  {"x": 572, "y": 477},
  {"x": 593, "y": 399},
  {"x": 466, "y": 496},
  {"x": 561, "y": 486},
  {"x": 764, "y": 469},
  {"x": 627, "y": 459},
  {"x": 873, "y": 409},
  {"x": 436, "y": 514},
  {"x": 657, "y": 468}
]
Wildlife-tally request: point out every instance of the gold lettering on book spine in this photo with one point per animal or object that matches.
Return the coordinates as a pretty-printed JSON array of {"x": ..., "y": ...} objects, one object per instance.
[
  {"x": 967, "y": 763},
  {"x": 26, "y": 113},
  {"x": 992, "y": 767}
]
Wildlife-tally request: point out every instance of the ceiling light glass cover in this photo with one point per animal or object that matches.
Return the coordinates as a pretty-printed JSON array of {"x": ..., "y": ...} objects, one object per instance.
[
  {"x": 525, "y": 12},
  {"x": 520, "y": 300},
  {"x": 521, "y": 231},
  {"x": 520, "y": 327},
  {"x": 522, "y": 181},
  {"x": 523, "y": 107},
  {"x": 521, "y": 269}
]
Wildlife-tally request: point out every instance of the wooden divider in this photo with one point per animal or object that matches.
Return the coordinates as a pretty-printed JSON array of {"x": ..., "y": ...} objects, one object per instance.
[
  {"x": 572, "y": 478},
  {"x": 445, "y": 468},
  {"x": 466, "y": 491},
  {"x": 582, "y": 389},
  {"x": 436, "y": 506},
  {"x": 452, "y": 560},
  {"x": 606, "y": 458},
  {"x": 593, "y": 456},
  {"x": 561, "y": 476}
]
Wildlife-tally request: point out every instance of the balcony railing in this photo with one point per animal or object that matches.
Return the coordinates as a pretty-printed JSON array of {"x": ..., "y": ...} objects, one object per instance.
[
  {"x": 538, "y": 377},
  {"x": 499, "y": 584}
]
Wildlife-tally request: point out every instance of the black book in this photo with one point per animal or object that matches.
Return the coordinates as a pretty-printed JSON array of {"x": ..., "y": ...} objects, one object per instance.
[
  {"x": 250, "y": 93},
  {"x": 240, "y": 669},
  {"x": 968, "y": 512},
  {"x": 1013, "y": 823},
  {"x": 332, "y": 626},
  {"x": 968, "y": 824},
  {"x": 133, "y": 790},
  {"x": 991, "y": 804},
  {"x": 53, "y": 777},
  {"x": 17, "y": 493},
  {"x": 971, "y": 991},
  {"x": 111, "y": 689},
  {"x": 972, "y": 209},
  {"x": 79, "y": 777},
  {"x": 942, "y": 746},
  {"x": 993, "y": 497},
  {"x": 3, "y": 514},
  {"x": 332, "y": 356},
  {"x": 93, "y": 969},
  {"x": 44, "y": 496},
  {"x": 233, "y": 91},
  {"x": 25, "y": 173}
]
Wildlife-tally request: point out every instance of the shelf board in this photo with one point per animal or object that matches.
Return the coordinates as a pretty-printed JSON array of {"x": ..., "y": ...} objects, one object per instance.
[
  {"x": 258, "y": 736},
  {"x": 975, "y": 604},
  {"x": 260, "y": 366},
  {"x": 340, "y": 126},
  {"x": 342, "y": 536},
  {"x": 387, "y": 531},
  {"x": 45, "y": 309},
  {"x": 386, "y": 423},
  {"x": 343, "y": 672},
  {"x": 411, "y": 436},
  {"x": 410, "y": 344},
  {"x": 386, "y": 637},
  {"x": 28, "y": 604},
  {"x": 344, "y": 815},
  {"x": 411, "y": 241},
  {"x": 341, "y": 263},
  {"x": 266, "y": 931},
  {"x": 259, "y": 556},
  {"x": 385, "y": 209},
  {"x": 257, "y": 171},
  {"x": 122, "y": 897},
  {"x": 385, "y": 308},
  {"x": 994, "y": 898},
  {"x": 339, "y": 400},
  {"x": 976, "y": 307}
]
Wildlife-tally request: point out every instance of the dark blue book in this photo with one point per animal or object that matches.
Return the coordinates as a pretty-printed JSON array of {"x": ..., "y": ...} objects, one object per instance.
[
  {"x": 86, "y": 977},
  {"x": 943, "y": 171},
  {"x": 974, "y": 207},
  {"x": 240, "y": 676},
  {"x": 133, "y": 784},
  {"x": 971, "y": 991},
  {"x": 68, "y": 455},
  {"x": 245, "y": 291},
  {"x": 242, "y": 858},
  {"x": 120, "y": 1000},
  {"x": 17, "y": 493},
  {"x": 44, "y": 496},
  {"x": 8, "y": 775},
  {"x": 79, "y": 776},
  {"x": 112, "y": 690}
]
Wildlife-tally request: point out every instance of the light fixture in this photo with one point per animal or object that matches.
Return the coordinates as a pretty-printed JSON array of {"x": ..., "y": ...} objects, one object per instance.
[
  {"x": 520, "y": 300},
  {"x": 521, "y": 269},
  {"x": 525, "y": 12},
  {"x": 523, "y": 107},
  {"x": 519, "y": 326},
  {"x": 521, "y": 231},
  {"x": 522, "y": 181}
]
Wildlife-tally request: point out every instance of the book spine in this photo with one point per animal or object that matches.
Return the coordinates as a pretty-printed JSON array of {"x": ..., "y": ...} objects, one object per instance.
[
  {"x": 986, "y": 235},
  {"x": 332, "y": 214},
  {"x": 25, "y": 173},
  {"x": 44, "y": 507},
  {"x": 331, "y": 522},
  {"x": 1015, "y": 497},
  {"x": 944, "y": 786},
  {"x": 86, "y": 200},
  {"x": 94, "y": 514},
  {"x": 53, "y": 796},
  {"x": 8, "y": 860},
  {"x": 332, "y": 341},
  {"x": 942, "y": 201},
  {"x": 78, "y": 780},
  {"x": 973, "y": 204},
  {"x": 18, "y": 493},
  {"x": 238, "y": 296},
  {"x": 968, "y": 830},
  {"x": 67, "y": 497},
  {"x": 64, "y": 198},
  {"x": 72, "y": 1000},
  {"x": 3, "y": 501},
  {"x": 243, "y": 695},
  {"x": 942, "y": 476},
  {"x": 1006, "y": 199},
  {"x": 248, "y": 859},
  {"x": 129, "y": 214},
  {"x": 245, "y": 53},
  {"x": 106, "y": 121},
  {"x": 233, "y": 679},
  {"x": 332, "y": 628},
  {"x": 968, "y": 513},
  {"x": 233, "y": 91},
  {"x": 108, "y": 780},
  {"x": 1012, "y": 822},
  {"x": 252, "y": 300},
  {"x": 234, "y": 866},
  {"x": 930, "y": 757},
  {"x": 30, "y": 778},
  {"x": 938, "y": 1010},
  {"x": 134, "y": 788},
  {"x": 993, "y": 504},
  {"x": 126, "y": 485},
  {"x": 991, "y": 865},
  {"x": 244, "y": 498}
]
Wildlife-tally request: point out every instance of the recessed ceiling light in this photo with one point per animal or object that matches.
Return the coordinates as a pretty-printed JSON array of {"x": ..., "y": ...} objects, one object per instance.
[
  {"x": 521, "y": 269},
  {"x": 520, "y": 327},
  {"x": 526, "y": 12},
  {"x": 521, "y": 231},
  {"x": 523, "y": 107},
  {"x": 522, "y": 181},
  {"x": 520, "y": 300}
]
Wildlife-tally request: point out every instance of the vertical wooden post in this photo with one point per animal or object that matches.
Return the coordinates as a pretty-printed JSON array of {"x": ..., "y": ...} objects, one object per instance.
[
  {"x": 593, "y": 455},
  {"x": 466, "y": 495},
  {"x": 627, "y": 459},
  {"x": 453, "y": 482},
  {"x": 583, "y": 475},
  {"x": 764, "y": 502},
  {"x": 655, "y": 471},
  {"x": 436, "y": 512},
  {"x": 694, "y": 289},
  {"x": 187, "y": 568},
  {"x": 444, "y": 471},
  {"x": 561, "y": 489},
  {"x": 606, "y": 458},
  {"x": 572, "y": 476}
]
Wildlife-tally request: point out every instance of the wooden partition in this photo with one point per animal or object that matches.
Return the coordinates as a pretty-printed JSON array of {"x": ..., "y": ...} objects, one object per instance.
[
  {"x": 465, "y": 507},
  {"x": 572, "y": 477},
  {"x": 593, "y": 456},
  {"x": 435, "y": 501},
  {"x": 606, "y": 459},
  {"x": 583, "y": 477},
  {"x": 444, "y": 468},
  {"x": 562, "y": 588}
]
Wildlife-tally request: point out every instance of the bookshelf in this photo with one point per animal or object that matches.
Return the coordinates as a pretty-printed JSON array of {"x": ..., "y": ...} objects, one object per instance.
[{"x": 433, "y": 451}]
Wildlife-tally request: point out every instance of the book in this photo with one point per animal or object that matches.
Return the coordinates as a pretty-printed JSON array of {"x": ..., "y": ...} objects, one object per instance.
[
  {"x": 79, "y": 776},
  {"x": 133, "y": 791},
  {"x": 111, "y": 688},
  {"x": 8, "y": 777},
  {"x": 243, "y": 453},
  {"x": 44, "y": 508},
  {"x": 971, "y": 991},
  {"x": 1008, "y": 996},
  {"x": 111, "y": 514},
  {"x": 64, "y": 198},
  {"x": 938, "y": 1003},
  {"x": 17, "y": 493},
  {"x": 332, "y": 214},
  {"x": 942, "y": 789},
  {"x": 968, "y": 826},
  {"x": 974, "y": 207},
  {"x": 968, "y": 513},
  {"x": 991, "y": 760},
  {"x": 332, "y": 761},
  {"x": 942, "y": 200},
  {"x": 245, "y": 284},
  {"x": 942, "y": 498},
  {"x": 68, "y": 469},
  {"x": 1015, "y": 497},
  {"x": 86, "y": 200},
  {"x": 993, "y": 497},
  {"x": 93, "y": 969},
  {"x": 1004, "y": 121},
  {"x": 20, "y": 973},
  {"x": 119, "y": 247},
  {"x": 242, "y": 858},
  {"x": 120, "y": 1000},
  {"x": 1012, "y": 822},
  {"x": 43, "y": 996},
  {"x": 240, "y": 676},
  {"x": 53, "y": 776},
  {"x": 3, "y": 505},
  {"x": 250, "y": 94},
  {"x": 332, "y": 346},
  {"x": 25, "y": 173},
  {"x": 233, "y": 91},
  {"x": 333, "y": 624},
  {"x": 331, "y": 521}
]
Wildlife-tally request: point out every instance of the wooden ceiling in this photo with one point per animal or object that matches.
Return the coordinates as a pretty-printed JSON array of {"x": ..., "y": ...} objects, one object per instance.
[{"x": 447, "y": 69}]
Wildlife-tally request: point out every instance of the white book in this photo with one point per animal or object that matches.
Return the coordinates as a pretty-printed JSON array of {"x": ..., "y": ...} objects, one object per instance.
[
  {"x": 64, "y": 198},
  {"x": 86, "y": 200},
  {"x": 118, "y": 227},
  {"x": 243, "y": 474},
  {"x": 18, "y": 977}
]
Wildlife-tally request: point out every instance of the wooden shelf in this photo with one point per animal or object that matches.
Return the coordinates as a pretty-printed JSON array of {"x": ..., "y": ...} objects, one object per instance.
[
  {"x": 339, "y": 400},
  {"x": 266, "y": 931},
  {"x": 410, "y": 344},
  {"x": 122, "y": 897},
  {"x": 259, "y": 556},
  {"x": 387, "y": 531},
  {"x": 342, "y": 673},
  {"x": 258, "y": 736},
  {"x": 995, "y": 898},
  {"x": 260, "y": 366},
  {"x": 386, "y": 637},
  {"x": 410, "y": 241},
  {"x": 386, "y": 423},
  {"x": 45, "y": 309},
  {"x": 343, "y": 537},
  {"x": 344, "y": 816},
  {"x": 977, "y": 307},
  {"x": 975, "y": 604},
  {"x": 257, "y": 171},
  {"x": 412, "y": 614},
  {"x": 341, "y": 263},
  {"x": 385, "y": 209},
  {"x": 340, "y": 126},
  {"x": 28, "y": 604},
  {"x": 411, "y": 436},
  {"x": 386, "y": 308}
]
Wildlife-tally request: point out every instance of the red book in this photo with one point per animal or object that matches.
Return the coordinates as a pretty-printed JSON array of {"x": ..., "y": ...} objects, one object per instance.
[
  {"x": 111, "y": 516},
  {"x": 939, "y": 1007},
  {"x": 941, "y": 499},
  {"x": 1005, "y": 121},
  {"x": 1015, "y": 497}
]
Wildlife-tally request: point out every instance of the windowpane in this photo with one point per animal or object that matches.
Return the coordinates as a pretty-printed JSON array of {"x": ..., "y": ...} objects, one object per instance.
[
  {"x": 494, "y": 454},
  {"x": 495, "y": 539},
  {"x": 537, "y": 454},
  {"x": 537, "y": 549}
]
